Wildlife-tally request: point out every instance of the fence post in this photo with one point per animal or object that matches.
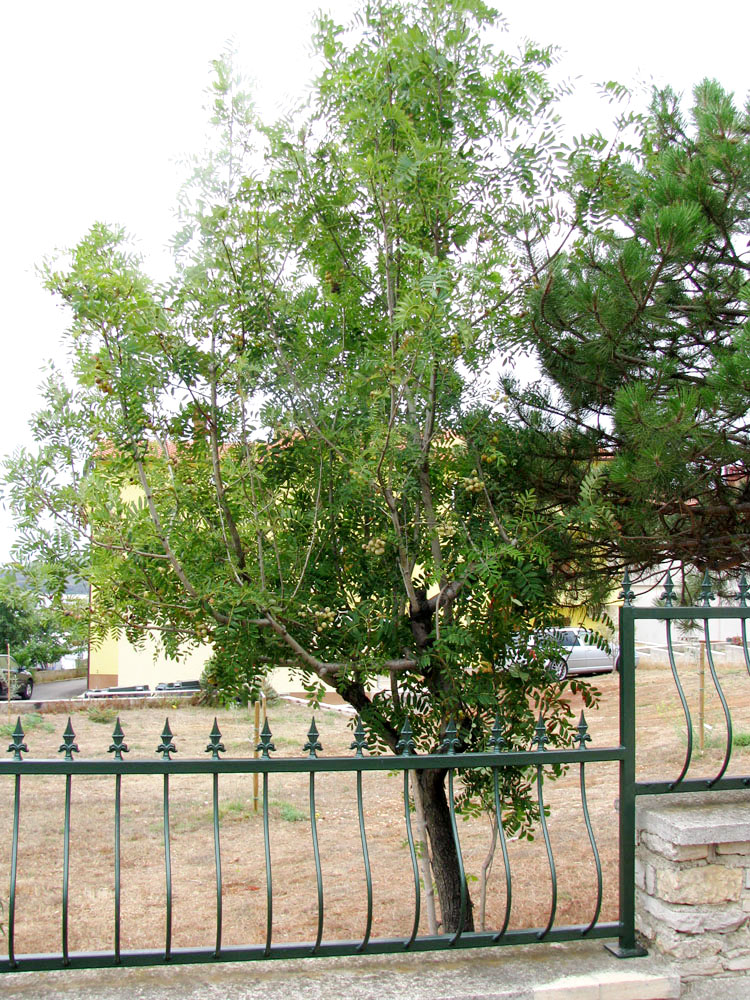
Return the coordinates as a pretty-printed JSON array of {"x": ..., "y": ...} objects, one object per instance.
[{"x": 626, "y": 946}]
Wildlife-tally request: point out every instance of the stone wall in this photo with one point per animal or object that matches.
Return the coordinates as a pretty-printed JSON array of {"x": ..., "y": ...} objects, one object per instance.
[{"x": 693, "y": 879}]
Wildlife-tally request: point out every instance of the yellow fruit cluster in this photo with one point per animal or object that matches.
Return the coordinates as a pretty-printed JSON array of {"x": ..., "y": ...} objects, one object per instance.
[
  {"x": 325, "y": 617},
  {"x": 473, "y": 484},
  {"x": 375, "y": 547}
]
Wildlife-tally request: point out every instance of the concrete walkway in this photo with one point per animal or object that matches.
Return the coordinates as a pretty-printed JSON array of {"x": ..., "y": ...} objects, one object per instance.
[{"x": 517, "y": 973}]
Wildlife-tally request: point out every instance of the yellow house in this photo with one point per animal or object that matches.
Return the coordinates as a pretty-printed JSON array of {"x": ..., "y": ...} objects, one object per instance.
[{"x": 118, "y": 663}]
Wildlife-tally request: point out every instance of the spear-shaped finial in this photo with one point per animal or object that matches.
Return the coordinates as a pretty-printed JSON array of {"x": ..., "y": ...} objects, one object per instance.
[
  {"x": 406, "y": 744},
  {"x": 266, "y": 740},
  {"x": 583, "y": 733},
  {"x": 668, "y": 592},
  {"x": 626, "y": 594},
  {"x": 541, "y": 738},
  {"x": 215, "y": 746},
  {"x": 166, "y": 747},
  {"x": 497, "y": 740},
  {"x": 69, "y": 745},
  {"x": 359, "y": 743},
  {"x": 18, "y": 743},
  {"x": 451, "y": 742},
  {"x": 706, "y": 594},
  {"x": 313, "y": 743},
  {"x": 118, "y": 745}
]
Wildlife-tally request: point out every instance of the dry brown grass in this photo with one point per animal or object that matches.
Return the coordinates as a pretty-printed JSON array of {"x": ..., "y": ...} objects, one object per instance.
[{"x": 660, "y": 752}]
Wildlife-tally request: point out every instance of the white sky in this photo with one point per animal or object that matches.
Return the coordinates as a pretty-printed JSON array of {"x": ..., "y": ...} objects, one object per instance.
[{"x": 101, "y": 100}]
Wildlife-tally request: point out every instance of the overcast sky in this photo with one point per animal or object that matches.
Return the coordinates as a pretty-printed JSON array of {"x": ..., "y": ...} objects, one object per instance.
[{"x": 102, "y": 102}]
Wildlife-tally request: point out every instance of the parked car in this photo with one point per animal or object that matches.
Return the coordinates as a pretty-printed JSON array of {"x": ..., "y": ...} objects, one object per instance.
[
  {"x": 21, "y": 680},
  {"x": 579, "y": 651}
]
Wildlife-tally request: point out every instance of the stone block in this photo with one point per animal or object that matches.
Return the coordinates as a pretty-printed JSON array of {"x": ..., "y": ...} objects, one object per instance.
[
  {"x": 569, "y": 988},
  {"x": 740, "y": 963},
  {"x": 617, "y": 985},
  {"x": 692, "y": 919},
  {"x": 695, "y": 886},
  {"x": 736, "y": 943},
  {"x": 711, "y": 818},
  {"x": 673, "y": 852},
  {"x": 734, "y": 847},
  {"x": 704, "y": 967},
  {"x": 689, "y": 947},
  {"x": 638, "y": 986},
  {"x": 640, "y": 874}
]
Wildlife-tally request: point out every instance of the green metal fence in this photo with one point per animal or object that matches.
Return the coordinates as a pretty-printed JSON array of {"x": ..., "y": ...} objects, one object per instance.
[
  {"x": 70, "y": 767},
  {"x": 22, "y": 769},
  {"x": 702, "y": 616}
]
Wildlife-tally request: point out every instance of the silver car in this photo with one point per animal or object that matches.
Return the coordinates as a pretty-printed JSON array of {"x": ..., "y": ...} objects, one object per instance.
[{"x": 579, "y": 651}]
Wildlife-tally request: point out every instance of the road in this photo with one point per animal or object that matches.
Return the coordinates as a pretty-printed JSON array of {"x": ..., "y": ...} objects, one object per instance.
[{"x": 59, "y": 690}]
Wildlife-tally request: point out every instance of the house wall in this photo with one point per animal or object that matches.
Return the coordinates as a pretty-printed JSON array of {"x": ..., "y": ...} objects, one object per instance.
[
  {"x": 149, "y": 665},
  {"x": 103, "y": 670}
]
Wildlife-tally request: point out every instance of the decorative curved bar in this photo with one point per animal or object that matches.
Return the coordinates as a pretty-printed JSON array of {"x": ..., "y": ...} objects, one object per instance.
[
  {"x": 506, "y": 859},
  {"x": 13, "y": 874},
  {"x": 725, "y": 707},
  {"x": 685, "y": 707},
  {"x": 217, "y": 860},
  {"x": 269, "y": 883},
  {"x": 461, "y": 872},
  {"x": 167, "y": 873},
  {"x": 744, "y": 644},
  {"x": 318, "y": 871},
  {"x": 597, "y": 860},
  {"x": 414, "y": 865},
  {"x": 550, "y": 858},
  {"x": 366, "y": 859}
]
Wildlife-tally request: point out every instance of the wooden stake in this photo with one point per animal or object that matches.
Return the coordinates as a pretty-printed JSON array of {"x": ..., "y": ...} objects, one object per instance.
[{"x": 255, "y": 754}]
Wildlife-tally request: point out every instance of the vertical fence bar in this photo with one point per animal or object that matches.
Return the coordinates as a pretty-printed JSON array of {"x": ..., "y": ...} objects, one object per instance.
[
  {"x": 506, "y": 859},
  {"x": 118, "y": 747},
  {"x": 627, "y": 947},
  {"x": 167, "y": 874},
  {"x": 118, "y": 784},
  {"x": 264, "y": 748},
  {"x": 67, "y": 747},
  {"x": 594, "y": 850},
  {"x": 166, "y": 748},
  {"x": 414, "y": 865},
  {"x": 66, "y": 871},
  {"x": 217, "y": 860},
  {"x": 722, "y": 699},
  {"x": 461, "y": 872},
  {"x": 13, "y": 874},
  {"x": 269, "y": 884},
  {"x": 318, "y": 871},
  {"x": 685, "y": 707},
  {"x": 550, "y": 857},
  {"x": 366, "y": 860},
  {"x": 313, "y": 745}
]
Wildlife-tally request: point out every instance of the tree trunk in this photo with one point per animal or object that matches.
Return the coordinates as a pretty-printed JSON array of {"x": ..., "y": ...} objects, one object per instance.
[
  {"x": 425, "y": 860},
  {"x": 444, "y": 856}
]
